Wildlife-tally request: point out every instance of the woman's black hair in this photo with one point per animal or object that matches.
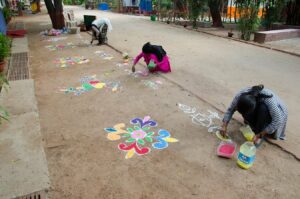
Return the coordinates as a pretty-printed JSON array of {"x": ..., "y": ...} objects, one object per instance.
[
  {"x": 158, "y": 51},
  {"x": 256, "y": 92},
  {"x": 147, "y": 48},
  {"x": 247, "y": 102}
]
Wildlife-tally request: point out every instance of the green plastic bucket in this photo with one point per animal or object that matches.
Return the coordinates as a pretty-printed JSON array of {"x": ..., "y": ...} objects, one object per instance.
[
  {"x": 151, "y": 65},
  {"x": 88, "y": 19},
  {"x": 153, "y": 17}
]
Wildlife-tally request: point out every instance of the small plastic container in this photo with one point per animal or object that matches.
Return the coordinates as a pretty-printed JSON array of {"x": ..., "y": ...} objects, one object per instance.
[
  {"x": 226, "y": 149},
  {"x": 226, "y": 139},
  {"x": 153, "y": 17},
  {"x": 247, "y": 132},
  {"x": 246, "y": 156},
  {"x": 74, "y": 30},
  {"x": 103, "y": 6},
  {"x": 151, "y": 64}
]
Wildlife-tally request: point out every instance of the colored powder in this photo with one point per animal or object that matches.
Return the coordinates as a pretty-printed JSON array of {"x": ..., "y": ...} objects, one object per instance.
[
  {"x": 94, "y": 82},
  {"x": 99, "y": 85},
  {"x": 87, "y": 86},
  {"x": 227, "y": 149},
  {"x": 151, "y": 65}
]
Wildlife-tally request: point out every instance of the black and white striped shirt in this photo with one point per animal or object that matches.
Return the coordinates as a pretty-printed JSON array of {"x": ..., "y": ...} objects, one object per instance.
[{"x": 277, "y": 109}]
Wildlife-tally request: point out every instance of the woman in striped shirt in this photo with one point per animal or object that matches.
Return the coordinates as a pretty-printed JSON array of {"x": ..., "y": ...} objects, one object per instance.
[{"x": 263, "y": 110}]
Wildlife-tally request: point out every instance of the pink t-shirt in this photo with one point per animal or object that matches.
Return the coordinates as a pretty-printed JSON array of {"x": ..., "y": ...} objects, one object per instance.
[{"x": 163, "y": 66}]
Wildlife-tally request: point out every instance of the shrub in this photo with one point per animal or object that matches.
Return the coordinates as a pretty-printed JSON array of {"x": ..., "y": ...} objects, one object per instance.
[
  {"x": 249, "y": 21},
  {"x": 4, "y": 46}
]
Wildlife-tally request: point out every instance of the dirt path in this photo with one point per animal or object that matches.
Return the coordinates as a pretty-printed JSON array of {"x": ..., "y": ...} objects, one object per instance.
[{"x": 83, "y": 163}]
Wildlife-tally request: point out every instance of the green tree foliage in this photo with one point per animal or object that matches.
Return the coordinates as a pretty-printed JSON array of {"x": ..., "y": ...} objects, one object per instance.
[
  {"x": 7, "y": 14},
  {"x": 195, "y": 8},
  {"x": 273, "y": 12},
  {"x": 73, "y": 2},
  {"x": 4, "y": 46},
  {"x": 249, "y": 21}
]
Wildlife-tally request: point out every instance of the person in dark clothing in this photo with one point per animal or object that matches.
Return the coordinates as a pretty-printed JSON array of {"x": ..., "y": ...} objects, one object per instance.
[{"x": 261, "y": 109}]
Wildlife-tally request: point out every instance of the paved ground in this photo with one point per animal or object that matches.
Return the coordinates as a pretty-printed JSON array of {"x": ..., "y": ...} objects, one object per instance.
[
  {"x": 23, "y": 166},
  {"x": 211, "y": 67},
  {"x": 292, "y": 45},
  {"x": 287, "y": 45},
  {"x": 83, "y": 163}
]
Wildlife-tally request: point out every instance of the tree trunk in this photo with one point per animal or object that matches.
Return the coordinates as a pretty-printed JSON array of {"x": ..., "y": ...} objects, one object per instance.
[
  {"x": 158, "y": 10},
  {"x": 56, "y": 13},
  {"x": 39, "y": 6},
  {"x": 57, "y": 19},
  {"x": 214, "y": 6},
  {"x": 293, "y": 13},
  {"x": 222, "y": 9},
  {"x": 235, "y": 11}
]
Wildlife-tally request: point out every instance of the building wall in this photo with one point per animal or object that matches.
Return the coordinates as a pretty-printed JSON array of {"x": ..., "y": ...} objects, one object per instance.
[
  {"x": 231, "y": 10},
  {"x": 131, "y": 3},
  {"x": 2, "y": 23}
]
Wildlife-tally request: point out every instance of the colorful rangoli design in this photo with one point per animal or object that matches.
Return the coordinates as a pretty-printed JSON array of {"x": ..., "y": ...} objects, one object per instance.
[
  {"x": 140, "y": 138},
  {"x": 89, "y": 83},
  {"x": 60, "y": 46},
  {"x": 68, "y": 61}
]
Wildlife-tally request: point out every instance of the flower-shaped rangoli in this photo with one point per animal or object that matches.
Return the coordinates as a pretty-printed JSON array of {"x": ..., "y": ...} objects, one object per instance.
[{"x": 139, "y": 138}]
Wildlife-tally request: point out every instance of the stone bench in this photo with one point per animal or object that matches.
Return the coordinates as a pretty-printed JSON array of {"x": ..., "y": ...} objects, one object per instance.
[{"x": 274, "y": 35}]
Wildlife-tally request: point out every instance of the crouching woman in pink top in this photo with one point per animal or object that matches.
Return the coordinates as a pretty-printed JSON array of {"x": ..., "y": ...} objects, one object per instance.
[{"x": 155, "y": 57}]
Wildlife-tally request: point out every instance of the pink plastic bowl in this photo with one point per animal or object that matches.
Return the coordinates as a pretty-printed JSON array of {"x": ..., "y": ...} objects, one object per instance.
[{"x": 226, "y": 149}]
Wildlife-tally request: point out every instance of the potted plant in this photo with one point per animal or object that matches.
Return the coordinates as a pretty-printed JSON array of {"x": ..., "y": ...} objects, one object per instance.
[
  {"x": 3, "y": 84},
  {"x": 153, "y": 17},
  {"x": 20, "y": 5},
  {"x": 4, "y": 50},
  {"x": 7, "y": 14},
  {"x": 249, "y": 22},
  {"x": 125, "y": 57},
  {"x": 230, "y": 34},
  {"x": 3, "y": 114}
]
